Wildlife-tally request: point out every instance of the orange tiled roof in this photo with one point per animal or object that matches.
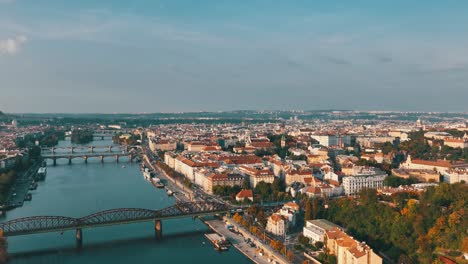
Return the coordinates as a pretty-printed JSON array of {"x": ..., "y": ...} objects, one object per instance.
[{"x": 245, "y": 194}]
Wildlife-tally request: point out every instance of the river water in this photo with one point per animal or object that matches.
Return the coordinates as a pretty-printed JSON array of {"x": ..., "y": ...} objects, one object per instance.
[{"x": 80, "y": 189}]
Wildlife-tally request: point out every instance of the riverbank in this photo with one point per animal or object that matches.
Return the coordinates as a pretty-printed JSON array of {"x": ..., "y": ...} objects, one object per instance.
[
  {"x": 260, "y": 254},
  {"x": 20, "y": 188},
  {"x": 181, "y": 192}
]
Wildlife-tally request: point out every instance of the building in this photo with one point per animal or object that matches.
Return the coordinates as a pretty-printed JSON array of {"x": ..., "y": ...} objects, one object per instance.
[
  {"x": 244, "y": 194},
  {"x": 277, "y": 224},
  {"x": 222, "y": 179},
  {"x": 371, "y": 141},
  {"x": 456, "y": 175},
  {"x": 422, "y": 175},
  {"x": 297, "y": 176},
  {"x": 437, "y": 135},
  {"x": 7, "y": 162},
  {"x": 290, "y": 211},
  {"x": 348, "y": 250},
  {"x": 315, "y": 229},
  {"x": 365, "y": 178},
  {"x": 162, "y": 145},
  {"x": 326, "y": 140},
  {"x": 257, "y": 174},
  {"x": 457, "y": 142},
  {"x": 439, "y": 165}
]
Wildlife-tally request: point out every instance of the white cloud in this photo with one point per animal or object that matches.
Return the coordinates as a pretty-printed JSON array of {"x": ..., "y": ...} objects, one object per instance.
[{"x": 12, "y": 45}]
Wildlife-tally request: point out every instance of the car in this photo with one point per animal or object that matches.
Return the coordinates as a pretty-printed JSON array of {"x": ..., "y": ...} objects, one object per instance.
[{"x": 14, "y": 194}]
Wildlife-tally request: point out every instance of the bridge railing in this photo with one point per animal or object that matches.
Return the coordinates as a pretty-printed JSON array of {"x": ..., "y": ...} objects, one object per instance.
[{"x": 39, "y": 224}]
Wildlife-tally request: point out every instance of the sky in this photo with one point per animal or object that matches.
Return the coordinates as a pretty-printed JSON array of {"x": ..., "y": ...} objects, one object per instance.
[{"x": 135, "y": 56}]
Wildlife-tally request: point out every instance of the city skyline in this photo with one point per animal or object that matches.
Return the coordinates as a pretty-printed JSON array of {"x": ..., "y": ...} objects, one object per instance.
[{"x": 176, "y": 56}]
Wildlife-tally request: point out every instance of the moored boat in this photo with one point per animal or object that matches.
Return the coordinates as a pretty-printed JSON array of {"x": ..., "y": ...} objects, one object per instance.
[{"x": 219, "y": 241}]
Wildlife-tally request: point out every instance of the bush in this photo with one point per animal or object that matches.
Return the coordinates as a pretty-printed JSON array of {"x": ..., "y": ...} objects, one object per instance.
[
  {"x": 298, "y": 247},
  {"x": 303, "y": 240}
]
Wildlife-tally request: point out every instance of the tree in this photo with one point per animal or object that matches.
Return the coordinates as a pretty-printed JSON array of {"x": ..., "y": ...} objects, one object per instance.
[
  {"x": 331, "y": 259},
  {"x": 303, "y": 240},
  {"x": 308, "y": 214},
  {"x": 81, "y": 136},
  {"x": 290, "y": 255},
  {"x": 368, "y": 196},
  {"x": 237, "y": 217},
  {"x": 278, "y": 185},
  {"x": 264, "y": 189},
  {"x": 3, "y": 249},
  {"x": 246, "y": 183},
  {"x": 319, "y": 244}
]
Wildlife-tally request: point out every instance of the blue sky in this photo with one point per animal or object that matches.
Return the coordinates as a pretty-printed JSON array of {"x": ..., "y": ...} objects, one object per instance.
[{"x": 173, "y": 55}]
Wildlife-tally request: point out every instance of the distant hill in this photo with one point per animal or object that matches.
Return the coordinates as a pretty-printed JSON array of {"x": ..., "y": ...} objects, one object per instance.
[{"x": 3, "y": 115}]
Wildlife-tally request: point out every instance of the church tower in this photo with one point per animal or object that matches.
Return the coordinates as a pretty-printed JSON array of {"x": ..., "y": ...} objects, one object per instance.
[{"x": 283, "y": 141}]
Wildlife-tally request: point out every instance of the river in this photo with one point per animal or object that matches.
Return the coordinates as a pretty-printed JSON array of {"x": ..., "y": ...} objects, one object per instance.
[{"x": 80, "y": 189}]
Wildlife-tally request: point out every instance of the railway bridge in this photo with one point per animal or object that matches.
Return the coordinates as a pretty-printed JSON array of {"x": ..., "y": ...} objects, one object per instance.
[{"x": 43, "y": 224}]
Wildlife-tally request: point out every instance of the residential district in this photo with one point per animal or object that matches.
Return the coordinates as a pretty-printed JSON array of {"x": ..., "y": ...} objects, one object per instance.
[{"x": 339, "y": 190}]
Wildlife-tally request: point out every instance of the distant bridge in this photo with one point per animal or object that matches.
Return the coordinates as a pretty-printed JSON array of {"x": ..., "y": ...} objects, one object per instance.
[
  {"x": 107, "y": 133},
  {"x": 86, "y": 152},
  {"x": 43, "y": 224},
  {"x": 85, "y": 156},
  {"x": 80, "y": 149}
]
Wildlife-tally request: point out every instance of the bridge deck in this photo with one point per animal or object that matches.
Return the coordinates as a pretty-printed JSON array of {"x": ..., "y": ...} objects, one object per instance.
[{"x": 43, "y": 224}]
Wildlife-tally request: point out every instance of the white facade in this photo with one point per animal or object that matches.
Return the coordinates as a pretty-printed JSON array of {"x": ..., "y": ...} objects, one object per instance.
[
  {"x": 326, "y": 140},
  {"x": 200, "y": 177},
  {"x": 353, "y": 184},
  {"x": 277, "y": 225},
  {"x": 456, "y": 175},
  {"x": 315, "y": 229}
]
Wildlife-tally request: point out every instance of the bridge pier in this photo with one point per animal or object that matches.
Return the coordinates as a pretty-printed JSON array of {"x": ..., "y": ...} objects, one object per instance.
[
  {"x": 85, "y": 159},
  {"x": 55, "y": 161},
  {"x": 109, "y": 148},
  {"x": 158, "y": 229},
  {"x": 53, "y": 150},
  {"x": 92, "y": 149},
  {"x": 102, "y": 158},
  {"x": 79, "y": 238},
  {"x": 72, "y": 149},
  {"x": 102, "y": 138},
  {"x": 117, "y": 158},
  {"x": 69, "y": 161}
]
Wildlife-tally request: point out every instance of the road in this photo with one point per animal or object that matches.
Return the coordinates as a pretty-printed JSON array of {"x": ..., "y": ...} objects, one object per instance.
[
  {"x": 181, "y": 191},
  {"x": 238, "y": 241}
]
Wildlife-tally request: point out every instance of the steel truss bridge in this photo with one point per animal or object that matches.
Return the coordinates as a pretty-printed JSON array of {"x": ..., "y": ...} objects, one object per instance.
[{"x": 44, "y": 224}]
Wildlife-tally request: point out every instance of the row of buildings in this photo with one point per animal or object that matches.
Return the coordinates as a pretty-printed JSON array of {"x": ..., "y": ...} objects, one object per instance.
[{"x": 346, "y": 249}]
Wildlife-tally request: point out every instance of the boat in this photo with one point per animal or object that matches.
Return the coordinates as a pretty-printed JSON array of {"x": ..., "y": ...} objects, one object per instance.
[
  {"x": 155, "y": 180},
  {"x": 28, "y": 197},
  {"x": 33, "y": 186},
  {"x": 147, "y": 174},
  {"x": 123, "y": 167},
  {"x": 219, "y": 241},
  {"x": 169, "y": 192},
  {"x": 41, "y": 173}
]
